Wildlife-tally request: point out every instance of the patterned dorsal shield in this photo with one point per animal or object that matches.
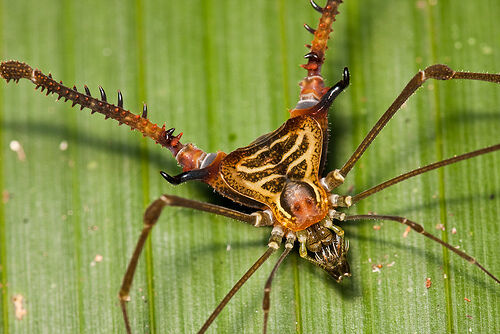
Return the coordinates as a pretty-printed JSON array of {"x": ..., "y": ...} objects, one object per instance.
[{"x": 280, "y": 170}]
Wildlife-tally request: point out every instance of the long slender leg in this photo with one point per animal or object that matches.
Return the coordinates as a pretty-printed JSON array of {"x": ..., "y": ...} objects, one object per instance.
[
  {"x": 151, "y": 217},
  {"x": 422, "y": 170},
  {"x": 266, "y": 302},
  {"x": 235, "y": 289},
  {"x": 274, "y": 244},
  {"x": 418, "y": 228},
  {"x": 438, "y": 72}
]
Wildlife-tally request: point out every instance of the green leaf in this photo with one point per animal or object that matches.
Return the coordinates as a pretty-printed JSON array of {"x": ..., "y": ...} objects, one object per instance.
[{"x": 225, "y": 72}]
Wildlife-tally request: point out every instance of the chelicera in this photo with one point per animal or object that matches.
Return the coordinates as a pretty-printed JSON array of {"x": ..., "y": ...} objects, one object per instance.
[{"x": 279, "y": 175}]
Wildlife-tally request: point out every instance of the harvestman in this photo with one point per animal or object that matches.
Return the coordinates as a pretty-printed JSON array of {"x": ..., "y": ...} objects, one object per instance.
[{"x": 278, "y": 174}]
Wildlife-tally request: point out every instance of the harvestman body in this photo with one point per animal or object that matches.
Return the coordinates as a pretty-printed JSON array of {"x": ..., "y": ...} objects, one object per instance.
[{"x": 279, "y": 174}]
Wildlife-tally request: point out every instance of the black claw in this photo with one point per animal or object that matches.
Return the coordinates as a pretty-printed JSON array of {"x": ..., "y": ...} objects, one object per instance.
[
  {"x": 120, "y": 99},
  {"x": 346, "y": 77},
  {"x": 170, "y": 179},
  {"x": 328, "y": 98},
  {"x": 316, "y": 6},
  {"x": 87, "y": 90},
  {"x": 74, "y": 88},
  {"x": 145, "y": 111},
  {"x": 50, "y": 75},
  {"x": 308, "y": 28},
  {"x": 196, "y": 174},
  {"x": 103, "y": 94},
  {"x": 169, "y": 133},
  {"x": 312, "y": 55}
]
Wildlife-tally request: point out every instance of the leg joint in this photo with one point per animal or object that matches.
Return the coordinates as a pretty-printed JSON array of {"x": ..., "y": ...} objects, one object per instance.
[{"x": 439, "y": 72}]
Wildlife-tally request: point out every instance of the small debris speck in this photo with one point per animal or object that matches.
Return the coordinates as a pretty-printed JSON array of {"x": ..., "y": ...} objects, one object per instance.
[
  {"x": 5, "y": 196},
  {"x": 18, "y": 305},
  {"x": 63, "y": 146},
  {"x": 18, "y": 148},
  {"x": 92, "y": 165},
  {"x": 453, "y": 231},
  {"x": 467, "y": 299},
  {"x": 228, "y": 247},
  {"x": 376, "y": 227},
  {"x": 440, "y": 227},
  {"x": 421, "y": 4},
  {"x": 487, "y": 50},
  {"x": 98, "y": 258},
  {"x": 407, "y": 230},
  {"x": 428, "y": 282}
]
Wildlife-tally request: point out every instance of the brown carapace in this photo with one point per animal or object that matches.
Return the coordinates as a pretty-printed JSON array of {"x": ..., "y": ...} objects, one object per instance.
[{"x": 278, "y": 174}]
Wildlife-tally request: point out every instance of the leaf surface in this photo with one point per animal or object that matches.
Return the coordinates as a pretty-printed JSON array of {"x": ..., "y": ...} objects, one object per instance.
[{"x": 223, "y": 73}]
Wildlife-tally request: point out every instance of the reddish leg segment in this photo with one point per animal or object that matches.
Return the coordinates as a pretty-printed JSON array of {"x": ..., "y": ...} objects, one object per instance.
[{"x": 188, "y": 156}]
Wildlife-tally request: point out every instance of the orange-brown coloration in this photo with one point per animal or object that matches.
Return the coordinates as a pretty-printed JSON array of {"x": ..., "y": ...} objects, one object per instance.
[
  {"x": 321, "y": 36},
  {"x": 280, "y": 170},
  {"x": 303, "y": 206},
  {"x": 14, "y": 70},
  {"x": 190, "y": 157},
  {"x": 313, "y": 86}
]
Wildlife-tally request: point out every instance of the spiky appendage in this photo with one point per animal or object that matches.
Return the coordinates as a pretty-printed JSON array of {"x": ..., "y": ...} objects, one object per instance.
[
  {"x": 190, "y": 157},
  {"x": 312, "y": 86}
]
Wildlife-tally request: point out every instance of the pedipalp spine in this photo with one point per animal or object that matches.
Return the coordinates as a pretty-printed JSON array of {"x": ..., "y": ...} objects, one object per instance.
[
  {"x": 15, "y": 70},
  {"x": 312, "y": 86}
]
